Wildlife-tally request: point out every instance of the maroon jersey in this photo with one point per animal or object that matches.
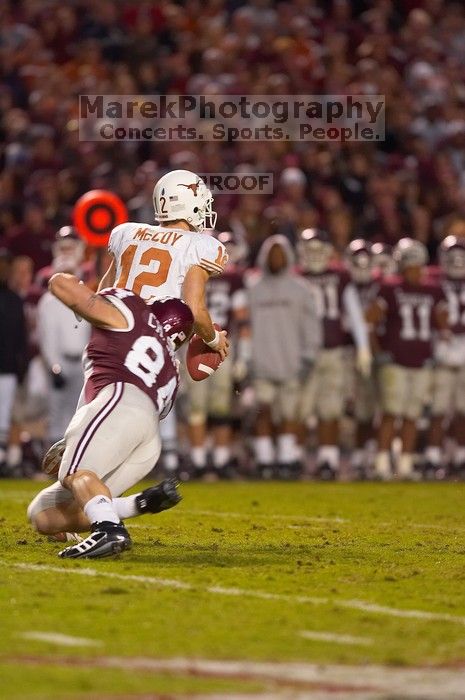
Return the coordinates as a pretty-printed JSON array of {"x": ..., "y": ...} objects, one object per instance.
[
  {"x": 409, "y": 320},
  {"x": 329, "y": 287},
  {"x": 140, "y": 355},
  {"x": 223, "y": 297}
]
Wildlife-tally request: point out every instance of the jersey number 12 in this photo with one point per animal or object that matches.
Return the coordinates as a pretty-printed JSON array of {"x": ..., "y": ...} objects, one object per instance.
[{"x": 148, "y": 277}]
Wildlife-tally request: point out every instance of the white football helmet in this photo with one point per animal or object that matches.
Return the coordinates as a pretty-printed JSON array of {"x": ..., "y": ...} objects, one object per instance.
[
  {"x": 315, "y": 250},
  {"x": 452, "y": 256},
  {"x": 410, "y": 253},
  {"x": 359, "y": 261},
  {"x": 383, "y": 261},
  {"x": 182, "y": 194}
]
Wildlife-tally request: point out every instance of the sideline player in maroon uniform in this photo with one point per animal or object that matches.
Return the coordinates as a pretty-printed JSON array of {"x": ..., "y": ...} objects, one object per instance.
[
  {"x": 113, "y": 441},
  {"x": 409, "y": 309},
  {"x": 359, "y": 261},
  {"x": 337, "y": 300},
  {"x": 211, "y": 400},
  {"x": 448, "y": 401}
]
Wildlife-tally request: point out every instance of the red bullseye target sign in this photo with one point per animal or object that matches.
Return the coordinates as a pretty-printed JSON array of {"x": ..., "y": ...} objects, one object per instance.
[{"x": 96, "y": 213}]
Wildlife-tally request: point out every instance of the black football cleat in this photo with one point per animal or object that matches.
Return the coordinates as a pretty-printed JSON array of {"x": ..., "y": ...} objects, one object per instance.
[
  {"x": 106, "y": 540},
  {"x": 160, "y": 497}
]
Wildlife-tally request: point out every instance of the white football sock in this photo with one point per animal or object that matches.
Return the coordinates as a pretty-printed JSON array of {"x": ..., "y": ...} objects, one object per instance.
[
  {"x": 221, "y": 456},
  {"x": 433, "y": 455},
  {"x": 383, "y": 465},
  {"x": 199, "y": 457},
  {"x": 459, "y": 455},
  {"x": 286, "y": 448},
  {"x": 264, "y": 449},
  {"x": 329, "y": 454},
  {"x": 125, "y": 506},
  {"x": 405, "y": 465},
  {"x": 100, "y": 508}
]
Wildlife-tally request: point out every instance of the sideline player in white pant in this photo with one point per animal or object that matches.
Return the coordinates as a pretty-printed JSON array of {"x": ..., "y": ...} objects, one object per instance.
[{"x": 113, "y": 440}]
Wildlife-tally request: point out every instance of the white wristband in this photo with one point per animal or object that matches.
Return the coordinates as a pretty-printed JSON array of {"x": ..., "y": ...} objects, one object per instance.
[{"x": 213, "y": 344}]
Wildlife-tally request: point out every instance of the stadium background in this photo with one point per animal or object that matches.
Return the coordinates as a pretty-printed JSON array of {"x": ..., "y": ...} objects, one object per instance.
[{"x": 410, "y": 184}]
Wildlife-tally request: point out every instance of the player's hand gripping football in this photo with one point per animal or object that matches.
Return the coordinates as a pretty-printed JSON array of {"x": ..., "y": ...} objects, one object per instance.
[{"x": 220, "y": 344}]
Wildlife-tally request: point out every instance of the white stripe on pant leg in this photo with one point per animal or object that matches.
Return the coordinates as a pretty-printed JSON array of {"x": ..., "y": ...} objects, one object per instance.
[{"x": 94, "y": 425}]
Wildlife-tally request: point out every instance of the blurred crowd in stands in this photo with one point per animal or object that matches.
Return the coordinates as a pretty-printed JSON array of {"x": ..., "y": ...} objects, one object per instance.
[{"x": 412, "y": 184}]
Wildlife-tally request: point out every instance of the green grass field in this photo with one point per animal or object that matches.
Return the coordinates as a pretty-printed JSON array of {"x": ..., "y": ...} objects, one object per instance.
[{"x": 353, "y": 574}]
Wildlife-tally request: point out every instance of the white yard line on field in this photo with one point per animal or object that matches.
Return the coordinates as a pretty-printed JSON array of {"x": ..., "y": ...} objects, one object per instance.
[
  {"x": 163, "y": 582},
  {"x": 62, "y": 640},
  {"x": 365, "y": 606},
  {"x": 297, "y": 680},
  {"x": 335, "y": 638}
]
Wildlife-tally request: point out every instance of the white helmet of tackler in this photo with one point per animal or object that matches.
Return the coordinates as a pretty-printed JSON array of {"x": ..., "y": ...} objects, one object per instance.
[{"x": 181, "y": 194}]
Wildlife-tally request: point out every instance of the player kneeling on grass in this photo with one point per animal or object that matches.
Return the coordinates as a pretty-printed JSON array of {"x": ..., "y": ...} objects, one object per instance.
[{"x": 113, "y": 440}]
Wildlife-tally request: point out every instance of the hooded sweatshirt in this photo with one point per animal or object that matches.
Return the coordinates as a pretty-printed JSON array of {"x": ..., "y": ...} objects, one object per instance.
[{"x": 286, "y": 330}]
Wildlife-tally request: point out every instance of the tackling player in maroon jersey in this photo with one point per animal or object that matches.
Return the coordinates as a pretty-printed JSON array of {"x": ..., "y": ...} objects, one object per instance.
[
  {"x": 113, "y": 441},
  {"x": 408, "y": 308}
]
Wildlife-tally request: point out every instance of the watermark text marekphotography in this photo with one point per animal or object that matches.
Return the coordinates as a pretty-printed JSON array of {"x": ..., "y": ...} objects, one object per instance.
[{"x": 231, "y": 118}]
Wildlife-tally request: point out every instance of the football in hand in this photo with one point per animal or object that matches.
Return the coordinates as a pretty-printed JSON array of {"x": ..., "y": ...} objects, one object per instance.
[{"x": 201, "y": 361}]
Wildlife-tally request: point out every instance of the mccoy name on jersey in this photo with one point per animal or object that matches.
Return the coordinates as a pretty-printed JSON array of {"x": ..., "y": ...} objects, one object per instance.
[
  {"x": 140, "y": 354},
  {"x": 153, "y": 261}
]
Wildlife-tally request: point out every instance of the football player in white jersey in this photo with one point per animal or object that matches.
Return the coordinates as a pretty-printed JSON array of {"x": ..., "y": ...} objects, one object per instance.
[{"x": 172, "y": 258}]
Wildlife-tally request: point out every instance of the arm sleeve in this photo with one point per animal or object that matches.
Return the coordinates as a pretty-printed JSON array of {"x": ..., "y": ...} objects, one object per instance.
[
  {"x": 209, "y": 254},
  {"x": 312, "y": 333},
  {"x": 353, "y": 309},
  {"x": 117, "y": 297}
]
